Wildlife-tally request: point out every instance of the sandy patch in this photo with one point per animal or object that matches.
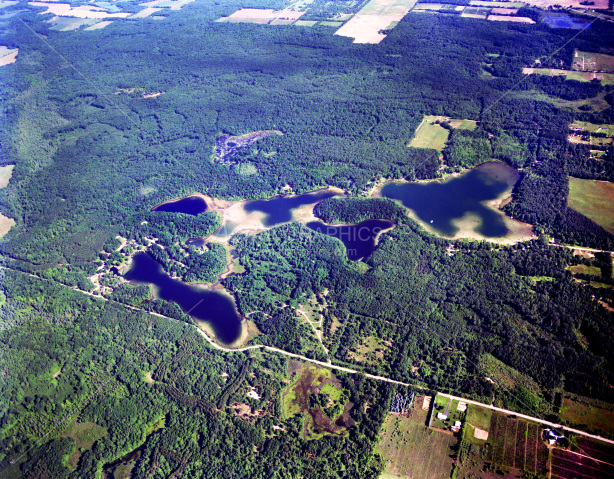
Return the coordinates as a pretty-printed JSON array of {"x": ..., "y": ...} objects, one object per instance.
[
  {"x": 9, "y": 58},
  {"x": 153, "y": 95},
  {"x": 480, "y": 434},
  {"x": 5, "y": 225},
  {"x": 55, "y": 375},
  {"x": 84, "y": 11},
  {"x": 8, "y": 3},
  {"x": 149, "y": 378},
  {"x": 473, "y": 15},
  {"x": 5, "y": 175},
  {"x": 505, "y": 18},
  {"x": 253, "y": 393}
]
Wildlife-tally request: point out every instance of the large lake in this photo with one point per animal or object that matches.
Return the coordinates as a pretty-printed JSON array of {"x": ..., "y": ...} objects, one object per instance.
[
  {"x": 444, "y": 205},
  {"x": 215, "y": 308},
  {"x": 359, "y": 239}
]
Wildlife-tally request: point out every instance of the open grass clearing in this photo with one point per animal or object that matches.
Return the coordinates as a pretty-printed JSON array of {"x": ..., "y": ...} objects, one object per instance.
[
  {"x": 430, "y": 134},
  {"x": 585, "y": 269},
  {"x": 604, "y": 78},
  {"x": 594, "y": 199},
  {"x": 593, "y": 62},
  {"x": 262, "y": 16},
  {"x": 66, "y": 24},
  {"x": 597, "y": 103},
  {"x": 306, "y": 23},
  {"x": 84, "y": 434},
  {"x": 575, "y": 412},
  {"x": 371, "y": 350},
  {"x": 505, "y": 375}
]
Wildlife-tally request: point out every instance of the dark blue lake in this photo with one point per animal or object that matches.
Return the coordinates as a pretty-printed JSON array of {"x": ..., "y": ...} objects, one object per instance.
[
  {"x": 439, "y": 204},
  {"x": 191, "y": 205},
  {"x": 216, "y": 308},
  {"x": 359, "y": 239}
]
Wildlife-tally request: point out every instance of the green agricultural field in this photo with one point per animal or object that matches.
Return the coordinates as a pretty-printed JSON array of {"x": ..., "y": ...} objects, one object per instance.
[
  {"x": 411, "y": 450},
  {"x": 485, "y": 3},
  {"x": 594, "y": 199}
]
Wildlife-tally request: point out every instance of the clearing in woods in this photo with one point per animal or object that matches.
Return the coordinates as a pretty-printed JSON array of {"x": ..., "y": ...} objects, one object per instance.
[
  {"x": 412, "y": 450},
  {"x": 432, "y": 135},
  {"x": 84, "y": 434},
  {"x": 604, "y": 78},
  {"x": 594, "y": 199},
  {"x": 575, "y": 412},
  {"x": 5, "y": 175},
  {"x": 593, "y": 62},
  {"x": 369, "y": 25}
]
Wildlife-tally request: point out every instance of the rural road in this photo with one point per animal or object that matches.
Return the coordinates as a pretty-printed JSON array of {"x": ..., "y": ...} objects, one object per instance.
[{"x": 332, "y": 366}]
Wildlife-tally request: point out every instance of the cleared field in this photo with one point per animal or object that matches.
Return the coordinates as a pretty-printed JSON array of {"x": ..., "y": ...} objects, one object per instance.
[
  {"x": 5, "y": 225},
  {"x": 584, "y": 269},
  {"x": 98, "y": 26},
  {"x": 432, "y": 135},
  {"x": 66, "y": 24},
  {"x": 5, "y": 175},
  {"x": 84, "y": 11},
  {"x": 305, "y": 23},
  {"x": 596, "y": 5},
  {"x": 605, "y": 78},
  {"x": 594, "y": 199},
  {"x": 262, "y": 16},
  {"x": 504, "y": 11},
  {"x": 8, "y": 55},
  {"x": 145, "y": 12},
  {"x": 507, "y": 18},
  {"x": 331, "y": 24},
  {"x": 485, "y": 3},
  {"x": 375, "y": 16},
  {"x": 593, "y": 62},
  {"x": 574, "y": 465},
  {"x": 594, "y": 417},
  {"x": 411, "y": 450},
  {"x": 516, "y": 444},
  {"x": 593, "y": 128}
]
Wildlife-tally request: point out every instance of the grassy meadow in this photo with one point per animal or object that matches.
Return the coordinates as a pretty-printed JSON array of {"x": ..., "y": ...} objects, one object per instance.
[{"x": 594, "y": 199}]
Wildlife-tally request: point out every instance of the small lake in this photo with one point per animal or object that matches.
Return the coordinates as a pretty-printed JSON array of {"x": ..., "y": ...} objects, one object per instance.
[
  {"x": 278, "y": 210},
  {"x": 191, "y": 205},
  {"x": 566, "y": 21},
  {"x": 260, "y": 214},
  {"x": 359, "y": 239},
  {"x": 441, "y": 205},
  {"x": 216, "y": 308}
]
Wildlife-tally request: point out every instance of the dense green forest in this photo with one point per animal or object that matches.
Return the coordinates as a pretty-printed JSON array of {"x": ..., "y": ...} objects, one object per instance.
[{"x": 88, "y": 380}]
